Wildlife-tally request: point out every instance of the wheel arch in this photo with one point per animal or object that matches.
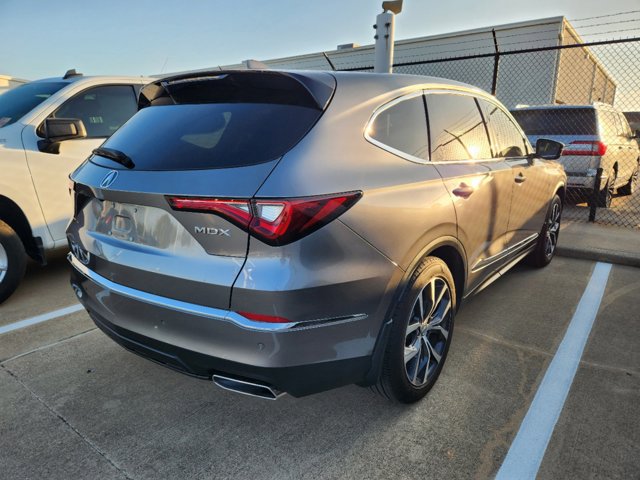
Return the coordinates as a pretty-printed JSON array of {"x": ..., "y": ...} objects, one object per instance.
[
  {"x": 12, "y": 215},
  {"x": 449, "y": 250},
  {"x": 561, "y": 191}
]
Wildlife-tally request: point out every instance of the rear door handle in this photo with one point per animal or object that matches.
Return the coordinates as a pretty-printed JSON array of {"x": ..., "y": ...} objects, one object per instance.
[
  {"x": 520, "y": 178},
  {"x": 463, "y": 190}
]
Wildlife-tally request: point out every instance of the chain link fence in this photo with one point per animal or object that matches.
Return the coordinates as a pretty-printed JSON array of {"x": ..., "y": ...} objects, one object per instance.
[{"x": 585, "y": 95}]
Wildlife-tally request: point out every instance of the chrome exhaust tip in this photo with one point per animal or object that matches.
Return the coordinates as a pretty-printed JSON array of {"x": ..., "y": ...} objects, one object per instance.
[
  {"x": 247, "y": 388},
  {"x": 77, "y": 290}
]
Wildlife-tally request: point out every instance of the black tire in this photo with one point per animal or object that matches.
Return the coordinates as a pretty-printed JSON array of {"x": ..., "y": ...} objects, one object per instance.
[
  {"x": 605, "y": 196},
  {"x": 548, "y": 240},
  {"x": 632, "y": 184},
  {"x": 395, "y": 379},
  {"x": 13, "y": 261}
]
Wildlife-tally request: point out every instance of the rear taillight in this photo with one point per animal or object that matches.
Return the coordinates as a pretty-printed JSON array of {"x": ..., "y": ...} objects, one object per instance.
[
  {"x": 273, "y": 221},
  {"x": 585, "y": 147},
  {"x": 237, "y": 212}
]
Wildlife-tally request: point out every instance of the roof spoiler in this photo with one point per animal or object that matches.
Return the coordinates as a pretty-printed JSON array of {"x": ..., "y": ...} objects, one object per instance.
[{"x": 308, "y": 89}]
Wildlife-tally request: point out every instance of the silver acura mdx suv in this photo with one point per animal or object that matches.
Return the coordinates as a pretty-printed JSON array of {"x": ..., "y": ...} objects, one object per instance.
[{"x": 298, "y": 231}]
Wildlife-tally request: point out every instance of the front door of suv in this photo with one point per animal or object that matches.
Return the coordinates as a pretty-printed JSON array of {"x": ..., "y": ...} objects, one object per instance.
[
  {"x": 480, "y": 186},
  {"x": 102, "y": 109},
  {"x": 530, "y": 198}
]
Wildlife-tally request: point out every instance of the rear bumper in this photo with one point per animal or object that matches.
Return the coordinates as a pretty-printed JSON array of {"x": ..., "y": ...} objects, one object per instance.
[
  {"x": 296, "y": 380},
  {"x": 584, "y": 181},
  {"x": 299, "y": 359}
]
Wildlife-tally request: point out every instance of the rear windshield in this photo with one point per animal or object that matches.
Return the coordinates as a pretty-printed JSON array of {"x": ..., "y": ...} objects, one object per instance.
[
  {"x": 557, "y": 121},
  {"x": 210, "y": 135},
  {"x": 17, "y": 102}
]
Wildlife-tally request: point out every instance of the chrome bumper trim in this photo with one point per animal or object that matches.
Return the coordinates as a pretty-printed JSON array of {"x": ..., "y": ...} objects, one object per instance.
[{"x": 203, "y": 311}]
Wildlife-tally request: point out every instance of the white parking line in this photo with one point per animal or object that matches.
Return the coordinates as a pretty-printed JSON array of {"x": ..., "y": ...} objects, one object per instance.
[
  {"x": 527, "y": 450},
  {"x": 40, "y": 318}
]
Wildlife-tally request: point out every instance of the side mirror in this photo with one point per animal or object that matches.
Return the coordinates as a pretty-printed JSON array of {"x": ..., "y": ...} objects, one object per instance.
[
  {"x": 61, "y": 129},
  {"x": 548, "y": 149},
  {"x": 56, "y": 130}
]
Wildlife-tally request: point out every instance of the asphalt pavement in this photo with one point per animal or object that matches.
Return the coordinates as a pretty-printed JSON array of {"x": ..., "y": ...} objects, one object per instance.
[{"x": 76, "y": 405}]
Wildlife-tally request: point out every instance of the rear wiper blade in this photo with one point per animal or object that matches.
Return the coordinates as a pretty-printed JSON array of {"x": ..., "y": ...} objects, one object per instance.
[{"x": 115, "y": 155}]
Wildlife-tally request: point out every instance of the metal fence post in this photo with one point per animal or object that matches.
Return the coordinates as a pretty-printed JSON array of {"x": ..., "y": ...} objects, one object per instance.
[
  {"x": 594, "y": 195},
  {"x": 496, "y": 64}
]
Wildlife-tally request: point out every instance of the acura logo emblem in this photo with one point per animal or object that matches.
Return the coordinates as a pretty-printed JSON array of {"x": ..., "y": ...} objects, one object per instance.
[{"x": 109, "y": 179}]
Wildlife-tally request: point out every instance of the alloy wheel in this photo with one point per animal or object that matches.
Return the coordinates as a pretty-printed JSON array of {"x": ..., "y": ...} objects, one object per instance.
[
  {"x": 428, "y": 331},
  {"x": 4, "y": 262},
  {"x": 553, "y": 227}
]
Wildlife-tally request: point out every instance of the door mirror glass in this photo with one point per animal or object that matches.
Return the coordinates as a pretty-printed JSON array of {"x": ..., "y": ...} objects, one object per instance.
[{"x": 548, "y": 149}]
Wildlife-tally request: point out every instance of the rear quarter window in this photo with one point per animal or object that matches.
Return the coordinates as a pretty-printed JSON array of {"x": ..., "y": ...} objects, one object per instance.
[
  {"x": 610, "y": 125},
  {"x": 402, "y": 128}
]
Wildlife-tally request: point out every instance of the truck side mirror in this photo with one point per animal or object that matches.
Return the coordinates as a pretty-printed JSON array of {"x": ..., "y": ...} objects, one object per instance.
[{"x": 56, "y": 130}]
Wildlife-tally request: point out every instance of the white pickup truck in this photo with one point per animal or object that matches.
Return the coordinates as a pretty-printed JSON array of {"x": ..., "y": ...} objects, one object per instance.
[{"x": 47, "y": 128}]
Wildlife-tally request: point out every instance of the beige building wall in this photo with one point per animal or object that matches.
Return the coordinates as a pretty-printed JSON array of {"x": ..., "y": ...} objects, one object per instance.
[{"x": 581, "y": 77}]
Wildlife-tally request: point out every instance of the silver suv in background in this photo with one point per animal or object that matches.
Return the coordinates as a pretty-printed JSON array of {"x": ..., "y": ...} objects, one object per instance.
[
  {"x": 595, "y": 136},
  {"x": 298, "y": 231}
]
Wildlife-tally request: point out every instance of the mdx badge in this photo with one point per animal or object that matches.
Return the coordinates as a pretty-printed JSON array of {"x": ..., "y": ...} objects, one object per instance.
[
  {"x": 109, "y": 179},
  {"x": 213, "y": 231}
]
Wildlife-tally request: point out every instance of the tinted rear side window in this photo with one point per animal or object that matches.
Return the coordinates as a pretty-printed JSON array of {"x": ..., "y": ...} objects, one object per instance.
[
  {"x": 403, "y": 127},
  {"x": 557, "y": 121},
  {"x": 102, "y": 109},
  {"x": 211, "y": 135},
  {"x": 457, "y": 129}
]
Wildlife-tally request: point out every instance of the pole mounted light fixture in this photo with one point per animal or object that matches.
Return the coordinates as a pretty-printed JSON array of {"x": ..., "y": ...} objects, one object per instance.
[
  {"x": 393, "y": 7},
  {"x": 385, "y": 29}
]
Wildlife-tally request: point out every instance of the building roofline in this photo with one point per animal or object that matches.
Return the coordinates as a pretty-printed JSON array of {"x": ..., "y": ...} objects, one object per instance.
[
  {"x": 474, "y": 31},
  {"x": 14, "y": 79}
]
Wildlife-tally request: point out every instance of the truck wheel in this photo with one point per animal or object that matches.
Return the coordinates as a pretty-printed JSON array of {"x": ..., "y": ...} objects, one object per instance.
[
  {"x": 420, "y": 334},
  {"x": 632, "y": 185},
  {"x": 13, "y": 261},
  {"x": 606, "y": 194}
]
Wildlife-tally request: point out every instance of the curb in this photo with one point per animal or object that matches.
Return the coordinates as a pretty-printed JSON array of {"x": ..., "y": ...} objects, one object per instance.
[{"x": 601, "y": 255}]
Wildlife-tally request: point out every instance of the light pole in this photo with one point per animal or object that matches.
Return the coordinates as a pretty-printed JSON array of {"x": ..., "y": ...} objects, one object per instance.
[{"x": 384, "y": 27}]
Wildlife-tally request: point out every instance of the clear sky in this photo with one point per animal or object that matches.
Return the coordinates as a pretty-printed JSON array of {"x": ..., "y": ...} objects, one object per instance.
[{"x": 138, "y": 37}]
